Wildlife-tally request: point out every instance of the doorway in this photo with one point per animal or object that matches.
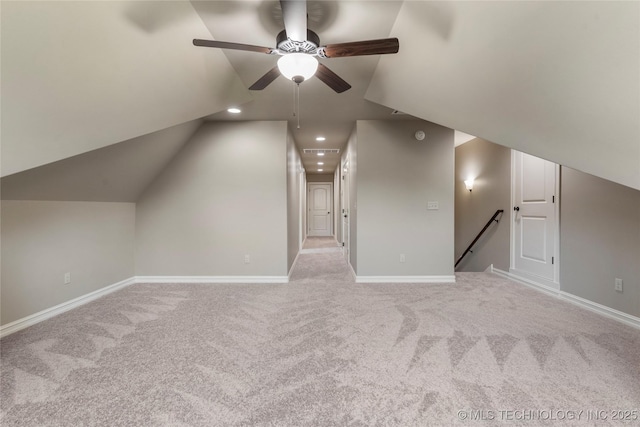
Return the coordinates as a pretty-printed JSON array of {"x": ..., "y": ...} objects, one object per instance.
[
  {"x": 534, "y": 219},
  {"x": 320, "y": 212},
  {"x": 344, "y": 202}
]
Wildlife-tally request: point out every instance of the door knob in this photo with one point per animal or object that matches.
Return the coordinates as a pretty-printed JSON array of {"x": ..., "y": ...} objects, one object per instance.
[{"x": 516, "y": 208}]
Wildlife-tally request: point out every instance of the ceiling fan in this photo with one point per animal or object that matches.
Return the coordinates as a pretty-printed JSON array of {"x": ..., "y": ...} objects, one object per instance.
[{"x": 298, "y": 48}]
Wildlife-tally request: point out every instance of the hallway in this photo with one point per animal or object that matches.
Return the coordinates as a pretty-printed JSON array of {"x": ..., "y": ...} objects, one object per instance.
[
  {"x": 313, "y": 242},
  {"x": 321, "y": 259}
]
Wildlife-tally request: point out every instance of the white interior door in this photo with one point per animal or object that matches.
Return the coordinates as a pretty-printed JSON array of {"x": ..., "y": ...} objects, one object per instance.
[
  {"x": 303, "y": 203},
  {"x": 320, "y": 209},
  {"x": 534, "y": 216},
  {"x": 344, "y": 189}
]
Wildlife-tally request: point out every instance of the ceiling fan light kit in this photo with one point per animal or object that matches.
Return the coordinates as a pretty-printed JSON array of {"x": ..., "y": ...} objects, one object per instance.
[
  {"x": 297, "y": 66},
  {"x": 299, "y": 56}
]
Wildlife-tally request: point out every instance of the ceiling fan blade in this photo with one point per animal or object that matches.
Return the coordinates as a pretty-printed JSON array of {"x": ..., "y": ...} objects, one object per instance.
[
  {"x": 331, "y": 79},
  {"x": 266, "y": 80},
  {"x": 294, "y": 14},
  {"x": 366, "y": 47},
  {"x": 234, "y": 46}
]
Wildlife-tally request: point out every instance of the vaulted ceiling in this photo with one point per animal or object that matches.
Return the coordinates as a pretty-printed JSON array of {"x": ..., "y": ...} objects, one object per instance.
[
  {"x": 560, "y": 80},
  {"x": 556, "y": 79},
  {"x": 78, "y": 76}
]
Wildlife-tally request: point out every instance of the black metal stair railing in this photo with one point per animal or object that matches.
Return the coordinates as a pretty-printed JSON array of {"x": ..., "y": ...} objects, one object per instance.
[{"x": 493, "y": 218}]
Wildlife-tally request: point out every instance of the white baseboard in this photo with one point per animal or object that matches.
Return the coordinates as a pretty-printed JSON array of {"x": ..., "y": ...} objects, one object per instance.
[
  {"x": 212, "y": 279},
  {"x": 595, "y": 307},
  {"x": 525, "y": 281},
  {"x": 295, "y": 261},
  {"x": 602, "y": 310},
  {"x": 536, "y": 280},
  {"x": 405, "y": 279},
  {"x": 48, "y": 313}
]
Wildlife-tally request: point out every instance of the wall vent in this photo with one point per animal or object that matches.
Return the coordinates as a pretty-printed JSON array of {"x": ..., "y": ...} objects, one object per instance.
[{"x": 321, "y": 150}]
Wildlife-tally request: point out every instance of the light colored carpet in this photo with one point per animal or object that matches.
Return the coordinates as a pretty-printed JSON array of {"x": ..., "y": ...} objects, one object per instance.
[
  {"x": 320, "y": 351},
  {"x": 317, "y": 245}
]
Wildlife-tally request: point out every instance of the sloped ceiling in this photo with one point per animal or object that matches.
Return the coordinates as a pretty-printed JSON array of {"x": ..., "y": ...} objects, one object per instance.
[
  {"x": 322, "y": 111},
  {"x": 80, "y": 75},
  {"x": 560, "y": 80},
  {"x": 556, "y": 79},
  {"x": 116, "y": 173}
]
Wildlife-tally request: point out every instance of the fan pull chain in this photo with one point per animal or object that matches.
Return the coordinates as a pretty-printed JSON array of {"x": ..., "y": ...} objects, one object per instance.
[
  {"x": 298, "y": 104},
  {"x": 294, "y": 100}
]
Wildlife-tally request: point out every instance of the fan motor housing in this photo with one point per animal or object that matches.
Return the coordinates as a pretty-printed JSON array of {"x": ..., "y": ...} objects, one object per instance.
[{"x": 310, "y": 45}]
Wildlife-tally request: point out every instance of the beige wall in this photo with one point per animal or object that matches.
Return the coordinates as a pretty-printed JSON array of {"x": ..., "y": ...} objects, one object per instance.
[
  {"x": 41, "y": 241},
  {"x": 490, "y": 165},
  {"x": 295, "y": 190},
  {"x": 223, "y": 196},
  {"x": 397, "y": 175},
  {"x": 600, "y": 240}
]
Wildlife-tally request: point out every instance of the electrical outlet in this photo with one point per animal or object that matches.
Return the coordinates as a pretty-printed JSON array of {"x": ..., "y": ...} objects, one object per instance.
[
  {"x": 402, "y": 259},
  {"x": 618, "y": 285},
  {"x": 247, "y": 259},
  {"x": 67, "y": 278},
  {"x": 432, "y": 206}
]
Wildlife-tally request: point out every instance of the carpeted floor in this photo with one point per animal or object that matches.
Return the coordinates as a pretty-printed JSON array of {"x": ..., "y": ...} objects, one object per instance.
[
  {"x": 320, "y": 242},
  {"x": 322, "y": 351}
]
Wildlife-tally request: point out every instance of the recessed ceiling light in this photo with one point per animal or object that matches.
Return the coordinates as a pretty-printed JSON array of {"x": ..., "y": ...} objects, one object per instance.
[
  {"x": 320, "y": 170},
  {"x": 234, "y": 110},
  {"x": 320, "y": 163},
  {"x": 320, "y": 154},
  {"x": 321, "y": 138}
]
